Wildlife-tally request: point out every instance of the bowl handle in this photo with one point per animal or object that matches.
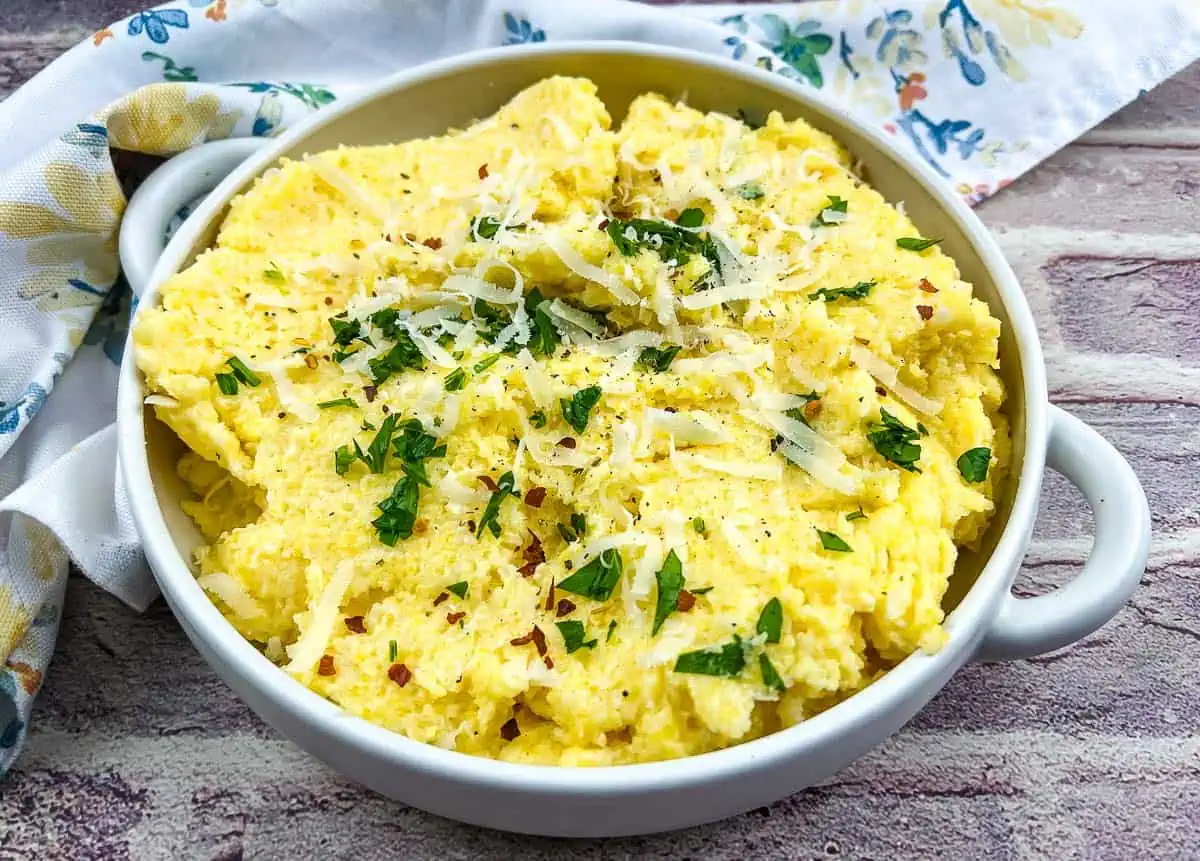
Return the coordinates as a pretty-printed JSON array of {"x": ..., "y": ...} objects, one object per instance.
[
  {"x": 165, "y": 193},
  {"x": 1030, "y": 626}
]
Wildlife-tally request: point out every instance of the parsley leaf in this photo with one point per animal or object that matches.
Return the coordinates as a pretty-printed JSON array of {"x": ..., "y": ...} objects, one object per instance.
[
  {"x": 398, "y": 512},
  {"x": 568, "y": 535},
  {"x": 834, "y": 204},
  {"x": 698, "y": 525},
  {"x": 538, "y": 419},
  {"x": 690, "y": 218},
  {"x": 486, "y": 227},
  {"x": 657, "y": 359},
  {"x": 573, "y": 635},
  {"x": 393, "y": 650},
  {"x": 376, "y": 455},
  {"x": 227, "y": 383},
  {"x": 703, "y": 590},
  {"x": 856, "y": 515},
  {"x": 485, "y": 363},
  {"x": 460, "y": 588},
  {"x": 576, "y": 408},
  {"x": 670, "y": 241},
  {"x": 343, "y": 458},
  {"x": 832, "y": 294},
  {"x": 597, "y": 579},
  {"x": 544, "y": 338},
  {"x": 770, "y": 620},
  {"x": 770, "y": 675},
  {"x": 340, "y": 402},
  {"x": 272, "y": 273},
  {"x": 491, "y": 513},
  {"x": 403, "y": 354},
  {"x": 242, "y": 373},
  {"x": 726, "y": 661},
  {"x": 895, "y": 441},
  {"x": 345, "y": 332},
  {"x": 915, "y": 243},
  {"x": 387, "y": 320},
  {"x": 455, "y": 380},
  {"x": 750, "y": 191},
  {"x": 833, "y": 541},
  {"x": 670, "y": 582},
  {"x": 612, "y": 626},
  {"x": 579, "y": 524},
  {"x": 973, "y": 463}
]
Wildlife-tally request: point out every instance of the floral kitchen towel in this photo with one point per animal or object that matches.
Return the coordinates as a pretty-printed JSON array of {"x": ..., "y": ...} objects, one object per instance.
[{"x": 979, "y": 89}]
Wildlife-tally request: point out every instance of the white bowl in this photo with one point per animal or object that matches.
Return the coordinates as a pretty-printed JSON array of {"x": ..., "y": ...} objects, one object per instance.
[{"x": 986, "y": 622}]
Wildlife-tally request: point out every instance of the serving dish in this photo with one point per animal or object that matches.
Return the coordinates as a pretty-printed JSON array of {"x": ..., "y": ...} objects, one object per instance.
[{"x": 985, "y": 622}]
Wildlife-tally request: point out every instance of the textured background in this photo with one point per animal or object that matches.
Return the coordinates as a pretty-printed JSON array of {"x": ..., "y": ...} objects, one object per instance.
[{"x": 137, "y": 750}]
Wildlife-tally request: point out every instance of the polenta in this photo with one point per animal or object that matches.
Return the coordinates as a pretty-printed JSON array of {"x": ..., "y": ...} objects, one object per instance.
[{"x": 559, "y": 443}]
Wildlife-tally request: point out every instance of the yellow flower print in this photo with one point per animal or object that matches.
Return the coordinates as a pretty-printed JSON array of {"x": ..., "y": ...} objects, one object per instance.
[
  {"x": 162, "y": 120},
  {"x": 45, "y": 555},
  {"x": 1025, "y": 22},
  {"x": 14, "y": 622},
  {"x": 72, "y": 255}
]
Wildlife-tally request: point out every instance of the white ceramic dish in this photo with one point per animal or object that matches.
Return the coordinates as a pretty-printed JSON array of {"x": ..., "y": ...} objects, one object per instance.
[{"x": 986, "y": 622}]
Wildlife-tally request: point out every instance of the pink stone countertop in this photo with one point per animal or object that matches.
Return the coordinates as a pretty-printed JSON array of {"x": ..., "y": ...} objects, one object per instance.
[{"x": 137, "y": 750}]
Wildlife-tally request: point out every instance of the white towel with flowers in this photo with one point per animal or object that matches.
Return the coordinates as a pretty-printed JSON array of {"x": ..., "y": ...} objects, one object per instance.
[{"x": 980, "y": 89}]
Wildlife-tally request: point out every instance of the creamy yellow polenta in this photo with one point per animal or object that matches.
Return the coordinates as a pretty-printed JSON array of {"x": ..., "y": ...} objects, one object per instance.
[{"x": 783, "y": 495}]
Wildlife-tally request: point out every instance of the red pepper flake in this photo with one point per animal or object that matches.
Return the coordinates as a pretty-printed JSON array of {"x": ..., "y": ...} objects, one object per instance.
[
  {"x": 533, "y": 555},
  {"x": 489, "y": 482},
  {"x": 535, "y": 496},
  {"x": 686, "y": 601},
  {"x": 539, "y": 640},
  {"x": 399, "y": 674},
  {"x": 445, "y": 596},
  {"x": 483, "y": 171},
  {"x": 812, "y": 409},
  {"x": 433, "y": 243},
  {"x": 325, "y": 667},
  {"x": 521, "y": 641},
  {"x": 355, "y": 624},
  {"x": 881, "y": 391},
  {"x": 603, "y": 225},
  {"x": 388, "y": 237},
  {"x": 926, "y": 311},
  {"x": 454, "y": 618},
  {"x": 926, "y": 286},
  {"x": 567, "y": 442},
  {"x": 549, "y": 663},
  {"x": 369, "y": 392},
  {"x": 510, "y": 730},
  {"x": 420, "y": 526},
  {"x": 565, "y": 608},
  {"x": 470, "y": 526},
  {"x": 671, "y": 214},
  {"x": 311, "y": 361},
  {"x": 550, "y": 596}
]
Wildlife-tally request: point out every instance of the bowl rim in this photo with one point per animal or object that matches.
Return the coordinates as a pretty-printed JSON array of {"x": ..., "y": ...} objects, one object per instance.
[{"x": 965, "y": 626}]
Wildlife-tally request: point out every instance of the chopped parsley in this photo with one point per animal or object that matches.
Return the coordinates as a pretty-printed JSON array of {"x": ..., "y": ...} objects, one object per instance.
[
  {"x": 915, "y": 243},
  {"x": 343, "y": 458},
  {"x": 412, "y": 445},
  {"x": 491, "y": 513},
  {"x": 797, "y": 413},
  {"x": 973, "y": 463},
  {"x": 227, "y": 383},
  {"x": 340, "y": 402},
  {"x": 895, "y": 441},
  {"x": 485, "y": 227},
  {"x": 376, "y": 454},
  {"x": 345, "y": 332},
  {"x": 670, "y": 583},
  {"x": 597, "y": 579},
  {"x": 403, "y": 354},
  {"x": 834, "y": 204},
  {"x": 490, "y": 321},
  {"x": 698, "y": 525},
  {"x": 855, "y": 515},
  {"x": 579, "y": 524},
  {"x": 241, "y": 373},
  {"x": 670, "y": 241},
  {"x": 393, "y": 650},
  {"x": 485, "y": 363},
  {"x": 567, "y": 534},
  {"x": 750, "y": 191},
  {"x": 770, "y": 675},
  {"x": 703, "y": 590},
  {"x": 574, "y": 636},
  {"x": 460, "y": 588},
  {"x": 387, "y": 320},
  {"x": 770, "y": 621},
  {"x": 576, "y": 408},
  {"x": 398, "y": 512},
  {"x": 832, "y": 294},
  {"x": 657, "y": 359},
  {"x": 726, "y": 661},
  {"x": 544, "y": 337},
  {"x": 538, "y": 419},
  {"x": 272, "y": 273},
  {"x": 833, "y": 541},
  {"x": 455, "y": 380},
  {"x": 612, "y": 626}
]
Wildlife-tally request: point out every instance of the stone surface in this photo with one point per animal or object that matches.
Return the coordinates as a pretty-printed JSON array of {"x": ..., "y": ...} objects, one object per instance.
[{"x": 1093, "y": 752}]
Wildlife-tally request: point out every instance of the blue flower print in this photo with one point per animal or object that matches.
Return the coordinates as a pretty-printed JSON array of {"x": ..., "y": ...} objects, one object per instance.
[
  {"x": 25, "y": 407},
  {"x": 972, "y": 39},
  {"x": 519, "y": 31},
  {"x": 10, "y": 724},
  {"x": 155, "y": 23},
  {"x": 111, "y": 325},
  {"x": 799, "y": 46},
  {"x": 268, "y": 117},
  {"x": 90, "y": 137},
  {"x": 899, "y": 45}
]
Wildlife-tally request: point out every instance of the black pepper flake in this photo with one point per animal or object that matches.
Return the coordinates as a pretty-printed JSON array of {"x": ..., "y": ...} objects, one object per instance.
[
  {"x": 510, "y": 730},
  {"x": 385, "y": 409},
  {"x": 881, "y": 391},
  {"x": 471, "y": 526},
  {"x": 567, "y": 442}
]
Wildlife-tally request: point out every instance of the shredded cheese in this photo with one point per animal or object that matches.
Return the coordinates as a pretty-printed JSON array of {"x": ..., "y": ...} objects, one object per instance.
[
  {"x": 312, "y": 643},
  {"x": 574, "y": 261},
  {"x": 878, "y": 368}
]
